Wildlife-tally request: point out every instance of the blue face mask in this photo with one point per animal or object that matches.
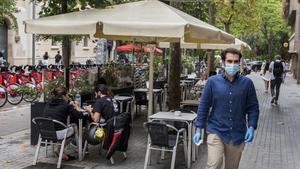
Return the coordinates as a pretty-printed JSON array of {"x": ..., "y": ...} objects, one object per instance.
[{"x": 232, "y": 69}]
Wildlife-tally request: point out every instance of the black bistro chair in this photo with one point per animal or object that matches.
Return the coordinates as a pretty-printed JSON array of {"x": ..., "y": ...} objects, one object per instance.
[
  {"x": 140, "y": 100},
  {"x": 48, "y": 135},
  {"x": 160, "y": 139}
]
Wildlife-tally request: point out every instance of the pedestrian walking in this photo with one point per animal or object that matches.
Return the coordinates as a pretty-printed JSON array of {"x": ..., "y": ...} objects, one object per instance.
[
  {"x": 277, "y": 69},
  {"x": 233, "y": 116},
  {"x": 266, "y": 75},
  {"x": 58, "y": 58},
  {"x": 45, "y": 59}
]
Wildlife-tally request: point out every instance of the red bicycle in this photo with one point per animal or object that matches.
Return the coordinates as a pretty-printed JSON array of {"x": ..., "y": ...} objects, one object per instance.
[{"x": 10, "y": 85}]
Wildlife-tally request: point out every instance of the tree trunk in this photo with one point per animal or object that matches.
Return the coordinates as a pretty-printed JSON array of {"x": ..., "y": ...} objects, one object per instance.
[
  {"x": 211, "y": 54},
  {"x": 174, "y": 91},
  {"x": 227, "y": 27},
  {"x": 297, "y": 42},
  {"x": 212, "y": 13},
  {"x": 66, "y": 48},
  {"x": 210, "y": 62}
]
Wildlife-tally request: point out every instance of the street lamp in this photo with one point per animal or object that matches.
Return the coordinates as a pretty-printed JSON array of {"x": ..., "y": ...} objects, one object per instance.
[{"x": 33, "y": 35}]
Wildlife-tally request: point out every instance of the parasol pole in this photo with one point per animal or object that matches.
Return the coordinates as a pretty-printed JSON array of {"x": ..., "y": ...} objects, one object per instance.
[{"x": 151, "y": 71}]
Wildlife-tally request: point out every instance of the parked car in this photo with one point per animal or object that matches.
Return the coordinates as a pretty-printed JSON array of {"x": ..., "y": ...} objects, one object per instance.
[{"x": 256, "y": 65}]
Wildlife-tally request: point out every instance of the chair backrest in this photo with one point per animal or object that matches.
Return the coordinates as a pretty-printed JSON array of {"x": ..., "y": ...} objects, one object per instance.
[
  {"x": 158, "y": 132},
  {"x": 159, "y": 84},
  {"x": 126, "y": 103},
  {"x": 140, "y": 98},
  {"x": 46, "y": 127}
]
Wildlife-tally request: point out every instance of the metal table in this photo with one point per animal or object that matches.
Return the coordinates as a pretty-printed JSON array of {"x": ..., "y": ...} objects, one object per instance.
[
  {"x": 185, "y": 117},
  {"x": 80, "y": 151},
  {"x": 156, "y": 92},
  {"x": 189, "y": 84}
]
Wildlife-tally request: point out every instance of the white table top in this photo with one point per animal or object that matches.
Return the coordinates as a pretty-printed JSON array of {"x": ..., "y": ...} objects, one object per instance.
[
  {"x": 146, "y": 90},
  {"x": 122, "y": 98},
  {"x": 171, "y": 116}
]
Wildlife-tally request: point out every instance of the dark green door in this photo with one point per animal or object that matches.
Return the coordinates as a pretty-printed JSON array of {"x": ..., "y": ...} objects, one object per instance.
[{"x": 3, "y": 39}]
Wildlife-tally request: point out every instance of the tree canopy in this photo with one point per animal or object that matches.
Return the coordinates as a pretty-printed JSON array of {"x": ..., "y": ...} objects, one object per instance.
[
  {"x": 257, "y": 22},
  {"x": 7, "y": 7}
]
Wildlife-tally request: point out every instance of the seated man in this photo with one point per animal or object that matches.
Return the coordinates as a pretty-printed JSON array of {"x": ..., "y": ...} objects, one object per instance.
[
  {"x": 105, "y": 107},
  {"x": 59, "y": 109}
]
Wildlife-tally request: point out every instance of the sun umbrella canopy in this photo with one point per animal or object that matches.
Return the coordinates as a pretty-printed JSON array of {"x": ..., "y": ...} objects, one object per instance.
[
  {"x": 136, "y": 48},
  {"x": 128, "y": 48},
  {"x": 148, "y": 20},
  {"x": 237, "y": 45},
  {"x": 156, "y": 50}
]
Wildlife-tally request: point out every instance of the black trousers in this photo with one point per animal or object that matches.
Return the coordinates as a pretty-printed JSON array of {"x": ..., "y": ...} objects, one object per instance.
[{"x": 275, "y": 84}]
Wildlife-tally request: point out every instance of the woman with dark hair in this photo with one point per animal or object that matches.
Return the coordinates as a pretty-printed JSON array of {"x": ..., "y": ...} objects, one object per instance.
[
  {"x": 266, "y": 76},
  {"x": 105, "y": 107},
  {"x": 59, "y": 108}
]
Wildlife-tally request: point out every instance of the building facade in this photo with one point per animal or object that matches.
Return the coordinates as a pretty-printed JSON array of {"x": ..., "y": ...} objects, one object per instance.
[
  {"x": 291, "y": 12},
  {"x": 18, "y": 48}
]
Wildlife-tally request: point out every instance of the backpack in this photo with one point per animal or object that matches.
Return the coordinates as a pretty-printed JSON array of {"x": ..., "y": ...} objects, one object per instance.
[{"x": 278, "y": 69}]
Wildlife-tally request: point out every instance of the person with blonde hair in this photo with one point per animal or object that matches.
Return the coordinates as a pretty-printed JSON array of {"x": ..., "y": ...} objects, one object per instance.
[{"x": 266, "y": 75}]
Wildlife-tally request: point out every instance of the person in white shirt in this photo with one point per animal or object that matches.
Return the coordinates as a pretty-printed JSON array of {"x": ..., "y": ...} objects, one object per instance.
[
  {"x": 277, "y": 70},
  {"x": 266, "y": 75}
]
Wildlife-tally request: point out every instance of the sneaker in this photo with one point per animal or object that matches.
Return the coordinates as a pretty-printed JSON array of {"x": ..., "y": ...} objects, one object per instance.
[
  {"x": 276, "y": 103},
  {"x": 87, "y": 150},
  {"x": 73, "y": 143},
  {"x": 273, "y": 99}
]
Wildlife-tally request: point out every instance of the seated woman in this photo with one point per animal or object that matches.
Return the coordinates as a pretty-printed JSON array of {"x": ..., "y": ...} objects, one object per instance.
[
  {"x": 105, "y": 107},
  {"x": 59, "y": 109}
]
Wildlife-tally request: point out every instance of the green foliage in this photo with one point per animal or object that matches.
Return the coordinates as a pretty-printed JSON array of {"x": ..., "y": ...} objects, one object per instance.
[
  {"x": 273, "y": 32},
  {"x": 7, "y": 7},
  {"x": 49, "y": 86},
  {"x": 237, "y": 16},
  {"x": 197, "y": 9},
  {"x": 187, "y": 62}
]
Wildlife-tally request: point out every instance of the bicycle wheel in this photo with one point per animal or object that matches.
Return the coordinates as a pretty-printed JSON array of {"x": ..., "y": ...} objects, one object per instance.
[
  {"x": 3, "y": 96},
  {"x": 14, "y": 96},
  {"x": 31, "y": 92}
]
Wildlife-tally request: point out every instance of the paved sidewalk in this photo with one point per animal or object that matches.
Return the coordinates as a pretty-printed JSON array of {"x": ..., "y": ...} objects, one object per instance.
[{"x": 276, "y": 144}]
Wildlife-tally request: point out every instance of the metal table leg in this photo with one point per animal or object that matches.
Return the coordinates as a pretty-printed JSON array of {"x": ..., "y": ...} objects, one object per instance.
[
  {"x": 193, "y": 145},
  {"x": 121, "y": 106},
  {"x": 189, "y": 144},
  {"x": 80, "y": 141}
]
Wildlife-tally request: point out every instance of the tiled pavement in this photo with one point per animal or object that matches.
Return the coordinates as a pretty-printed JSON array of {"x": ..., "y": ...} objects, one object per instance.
[{"x": 276, "y": 144}]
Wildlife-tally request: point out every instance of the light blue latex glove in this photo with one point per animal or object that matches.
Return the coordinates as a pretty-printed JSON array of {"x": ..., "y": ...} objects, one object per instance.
[
  {"x": 249, "y": 135},
  {"x": 197, "y": 137}
]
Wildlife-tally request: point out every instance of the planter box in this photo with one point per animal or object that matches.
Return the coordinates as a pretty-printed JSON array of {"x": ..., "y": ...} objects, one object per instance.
[{"x": 37, "y": 109}]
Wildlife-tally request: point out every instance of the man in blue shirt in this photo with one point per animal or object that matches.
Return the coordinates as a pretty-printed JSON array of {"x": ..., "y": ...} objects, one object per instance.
[{"x": 233, "y": 116}]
